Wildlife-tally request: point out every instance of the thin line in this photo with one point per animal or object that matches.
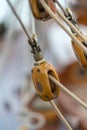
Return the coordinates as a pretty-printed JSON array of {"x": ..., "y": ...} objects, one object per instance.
[
  {"x": 68, "y": 92},
  {"x": 66, "y": 14},
  {"x": 33, "y": 24},
  {"x": 68, "y": 22},
  {"x": 57, "y": 19},
  {"x": 14, "y": 11},
  {"x": 72, "y": 26},
  {"x": 59, "y": 114}
]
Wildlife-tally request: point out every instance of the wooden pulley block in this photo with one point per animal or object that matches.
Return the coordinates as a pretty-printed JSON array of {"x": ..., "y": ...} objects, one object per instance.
[
  {"x": 38, "y": 11},
  {"x": 81, "y": 56},
  {"x": 45, "y": 88}
]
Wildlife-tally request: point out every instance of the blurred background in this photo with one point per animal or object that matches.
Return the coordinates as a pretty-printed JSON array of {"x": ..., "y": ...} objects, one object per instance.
[{"x": 16, "y": 62}]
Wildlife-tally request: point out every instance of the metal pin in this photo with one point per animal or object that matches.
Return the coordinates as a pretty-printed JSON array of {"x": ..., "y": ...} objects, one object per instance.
[
  {"x": 57, "y": 19},
  {"x": 74, "y": 28}
]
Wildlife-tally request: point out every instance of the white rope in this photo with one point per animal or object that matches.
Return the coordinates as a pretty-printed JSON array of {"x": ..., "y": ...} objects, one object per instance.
[
  {"x": 33, "y": 24},
  {"x": 26, "y": 117},
  {"x": 68, "y": 92},
  {"x": 61, "y": 117},
  {"x": 72, "y": 26},
  {"x": 18, "y": 18},
  {"x": 63, "y": 10},
  {"x": 57, "y": 19},
  {"x": 35, "y": 115}
]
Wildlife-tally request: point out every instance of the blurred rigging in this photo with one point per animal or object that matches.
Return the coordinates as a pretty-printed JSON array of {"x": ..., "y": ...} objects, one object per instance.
[{"x": 26, "y": 20}]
